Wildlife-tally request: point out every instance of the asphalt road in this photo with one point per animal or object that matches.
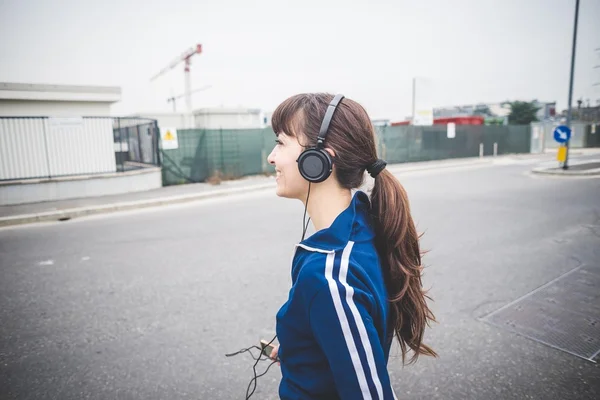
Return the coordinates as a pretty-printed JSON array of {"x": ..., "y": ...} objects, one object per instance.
[{"x": 145, "y": 304}]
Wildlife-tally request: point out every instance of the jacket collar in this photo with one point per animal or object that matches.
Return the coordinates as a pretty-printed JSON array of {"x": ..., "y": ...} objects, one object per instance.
[{"x": 352, "y": 224}]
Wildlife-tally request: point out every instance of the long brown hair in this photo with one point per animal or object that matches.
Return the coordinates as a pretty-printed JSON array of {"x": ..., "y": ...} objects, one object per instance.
[{"x": 352, "y": 138}]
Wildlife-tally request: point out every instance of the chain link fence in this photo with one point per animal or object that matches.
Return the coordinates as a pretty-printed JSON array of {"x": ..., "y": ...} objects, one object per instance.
[{"x": 229, "y": 154}]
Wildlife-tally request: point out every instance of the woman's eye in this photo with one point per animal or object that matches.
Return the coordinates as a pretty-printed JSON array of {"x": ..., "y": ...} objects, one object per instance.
[{"x": 278, "y": 141}]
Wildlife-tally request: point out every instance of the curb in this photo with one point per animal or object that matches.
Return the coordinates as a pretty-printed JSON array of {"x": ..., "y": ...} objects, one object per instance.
[
  {"x": 561, "y": 172},
  {"x": 60, "y": 215}
]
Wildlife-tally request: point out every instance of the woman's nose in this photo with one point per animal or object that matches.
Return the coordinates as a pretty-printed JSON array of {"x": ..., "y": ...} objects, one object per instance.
[{"x": 271, "y": 158}]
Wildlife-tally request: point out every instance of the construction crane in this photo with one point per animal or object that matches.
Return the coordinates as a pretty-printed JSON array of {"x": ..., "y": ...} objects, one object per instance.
[
  {"x": 186, "y": 58},
  {"x": 175, "y": 98}
]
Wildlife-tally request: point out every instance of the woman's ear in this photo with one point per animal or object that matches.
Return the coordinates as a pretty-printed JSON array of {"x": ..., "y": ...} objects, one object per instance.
[{"x": 330, "y": 151}]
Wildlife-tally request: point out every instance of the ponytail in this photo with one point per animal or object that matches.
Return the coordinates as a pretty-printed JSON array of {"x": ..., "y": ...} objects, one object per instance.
[{"x": 397, "y": 243}]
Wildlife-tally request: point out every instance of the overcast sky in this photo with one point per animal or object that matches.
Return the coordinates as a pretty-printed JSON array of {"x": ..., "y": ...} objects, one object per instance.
[{"x": 257, "y": 53}]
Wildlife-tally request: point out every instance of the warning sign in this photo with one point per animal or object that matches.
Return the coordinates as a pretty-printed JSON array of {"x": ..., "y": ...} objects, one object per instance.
[{"x": 169, "y": 138}]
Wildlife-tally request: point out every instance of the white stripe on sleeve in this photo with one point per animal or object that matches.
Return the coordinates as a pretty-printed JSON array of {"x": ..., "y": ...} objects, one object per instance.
[
  {"x": 339, "y": 309},
  {"x": 364, "y": 336}
]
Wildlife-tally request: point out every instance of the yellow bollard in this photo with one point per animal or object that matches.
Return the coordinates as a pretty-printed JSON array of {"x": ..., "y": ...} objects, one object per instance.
[{"x": 561, "y": 155}]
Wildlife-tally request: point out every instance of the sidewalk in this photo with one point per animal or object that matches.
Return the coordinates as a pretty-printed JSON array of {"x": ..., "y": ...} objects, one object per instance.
[
  {"x": 576, "y": 152},
  {"x": 581, "y": 168},
  {"x": 67, "y": 209},
  {"x": 72, "y": 208}
]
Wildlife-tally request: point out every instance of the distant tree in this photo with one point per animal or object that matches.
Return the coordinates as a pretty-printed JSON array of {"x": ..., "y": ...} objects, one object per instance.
[{"x": 522, "y": 113}]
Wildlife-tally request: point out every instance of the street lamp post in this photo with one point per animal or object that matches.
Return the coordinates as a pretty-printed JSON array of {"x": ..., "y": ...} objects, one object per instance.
[{"x": 565, "y": 164}]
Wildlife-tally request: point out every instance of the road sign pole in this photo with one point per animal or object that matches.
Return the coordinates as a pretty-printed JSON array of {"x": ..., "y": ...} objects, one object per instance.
[{"x": 566, "y": 163}]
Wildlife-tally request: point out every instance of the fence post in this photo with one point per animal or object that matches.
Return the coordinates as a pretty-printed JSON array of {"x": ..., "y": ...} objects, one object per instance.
[
  {"x": 156, "y": 141},
  {"x": 263, "y": 153},
  {"x": 543, "y": 138},
  {"x": 128, "y": 148},
  {"x": 139, "y": 140},
  {"x": 480, "y": 150},
  {"x": 44, "y": 123},
  {"x": 407, "y": 136},
  {"x": 495, "y": 149},
  {"x": 120, "y": 143},
  {"x": 383, "y": 133},
  {"x": 222, "y": 160}
]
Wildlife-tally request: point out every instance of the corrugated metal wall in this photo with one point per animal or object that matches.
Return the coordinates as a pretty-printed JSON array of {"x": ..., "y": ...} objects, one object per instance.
[
  {"x": 83, "y": 146},
  {"x": 23, "y": 148},
  {"x": 50, "y": 147}
]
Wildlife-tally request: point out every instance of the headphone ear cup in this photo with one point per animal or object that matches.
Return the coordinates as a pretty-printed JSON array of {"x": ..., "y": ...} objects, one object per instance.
[{"x": 315, "y": 165}]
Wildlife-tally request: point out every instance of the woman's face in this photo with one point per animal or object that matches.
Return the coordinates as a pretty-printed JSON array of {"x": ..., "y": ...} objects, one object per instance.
[{"x": 290, "y": 183}]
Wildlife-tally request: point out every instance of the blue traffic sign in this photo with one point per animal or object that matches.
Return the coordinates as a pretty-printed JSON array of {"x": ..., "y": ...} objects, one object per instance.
[{"x": 562, "y": 134}]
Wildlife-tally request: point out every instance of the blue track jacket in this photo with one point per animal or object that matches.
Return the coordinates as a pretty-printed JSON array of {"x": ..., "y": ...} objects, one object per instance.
[{"x": 332, "y": 331}]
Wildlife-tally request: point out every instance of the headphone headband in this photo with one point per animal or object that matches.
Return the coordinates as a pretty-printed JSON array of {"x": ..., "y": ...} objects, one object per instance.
[
  {"x": 327, "y": 119},
  {"x": 315, "y": 164}
]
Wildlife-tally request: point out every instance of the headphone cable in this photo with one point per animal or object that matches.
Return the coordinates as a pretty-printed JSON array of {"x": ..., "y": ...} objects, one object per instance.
[
  {"x": 304, "y": 222},
  {"x": 255, "y": 379}
]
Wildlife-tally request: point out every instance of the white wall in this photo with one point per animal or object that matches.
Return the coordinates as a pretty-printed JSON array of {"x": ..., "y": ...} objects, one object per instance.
[
  {"x": 79, "y": 187},
  {"x": 170, "y": 120},
  {"x": 29, "y": 108},
  {"x": 42, "y": 147},
  {"x": 234, "y": 119},
  {"x": 542, "y": 136},
  {"x": 209, "y": 119}
]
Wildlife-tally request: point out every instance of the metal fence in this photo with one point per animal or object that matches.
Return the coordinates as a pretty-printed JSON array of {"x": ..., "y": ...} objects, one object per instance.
[
  {"x": 202, "y": 154},
  {"x": 592, "y": 135},
  {"x": 583, "y": 135},
  {"x": 44, "y": 147},
  {"x": 225, "y": 153},
  {"x": 542, "y": 137},
  {"x": 400, "y": 144},
  {"x": 136, "y": 143}
]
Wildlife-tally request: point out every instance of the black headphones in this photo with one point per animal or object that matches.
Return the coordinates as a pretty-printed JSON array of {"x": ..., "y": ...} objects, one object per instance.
[{"x": 315, "y": 164}]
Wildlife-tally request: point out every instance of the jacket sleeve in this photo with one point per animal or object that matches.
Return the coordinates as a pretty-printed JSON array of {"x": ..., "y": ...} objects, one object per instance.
[{"x": 342, "y": 326}]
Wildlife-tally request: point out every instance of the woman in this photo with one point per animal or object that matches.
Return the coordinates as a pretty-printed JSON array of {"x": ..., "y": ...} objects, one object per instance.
[{"x": 356, "y": 282}]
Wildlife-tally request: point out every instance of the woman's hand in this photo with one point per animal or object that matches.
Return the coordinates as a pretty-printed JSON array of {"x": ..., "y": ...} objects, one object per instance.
[{"x": 274, "y": 353}]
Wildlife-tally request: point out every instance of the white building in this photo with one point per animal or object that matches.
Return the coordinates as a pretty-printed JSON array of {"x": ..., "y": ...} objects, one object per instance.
[
  {"x": 547, "y": 110},
  {"x": 177, "y": 120},
  {"x": 230, "y": 118},
  {"x": 58, "y": 142},
  {"x": 26, "y": 99},
  {"x": 211, "y": 118}
]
